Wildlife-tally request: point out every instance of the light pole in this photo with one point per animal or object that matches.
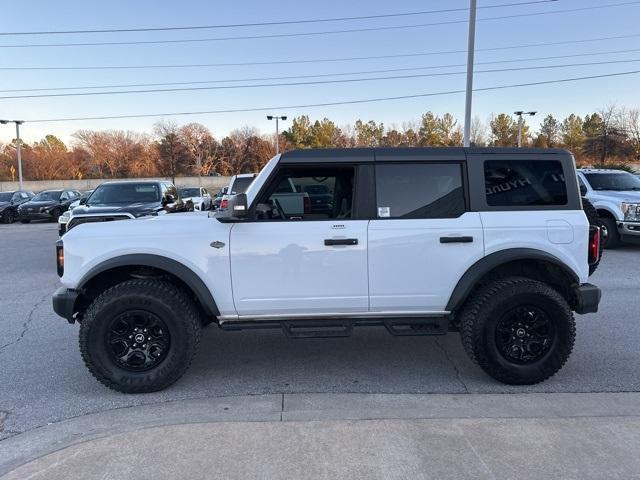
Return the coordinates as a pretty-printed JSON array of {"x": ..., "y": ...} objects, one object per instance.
[
  {"x": 519, "y": 113},
  {"x": 470, "y": 53},
  {"x": 18, "y": 123},
  {"x": 277, "y": 118}
]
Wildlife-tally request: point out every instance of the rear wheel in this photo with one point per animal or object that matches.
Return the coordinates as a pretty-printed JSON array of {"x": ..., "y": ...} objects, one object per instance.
[
  {"x": 610, "y": 235},
  {"x": 140, "y": 336},
  {"x": 520, "y": 331}
]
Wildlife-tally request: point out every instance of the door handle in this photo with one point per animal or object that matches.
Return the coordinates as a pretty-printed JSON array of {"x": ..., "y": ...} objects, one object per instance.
[
  {"x": 454, "y": 239},
  {"x": 330, "y": 242}
]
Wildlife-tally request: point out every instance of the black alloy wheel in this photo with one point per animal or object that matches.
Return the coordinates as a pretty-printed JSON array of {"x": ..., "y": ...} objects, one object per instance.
[
  {"x": 138, "y": 340},
  {"x": 525, "y": 334}
]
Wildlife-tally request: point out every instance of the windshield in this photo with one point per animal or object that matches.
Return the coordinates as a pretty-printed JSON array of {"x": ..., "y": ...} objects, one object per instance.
[
  {"x": 613, "y": 181},
  {"x": 241, "y": 184},
  {"x": 189, "y": 192},
  {"x": 47, "y": 196},
  {"x": 5, "y": 196},
  {"x": 125, "y": 193}
]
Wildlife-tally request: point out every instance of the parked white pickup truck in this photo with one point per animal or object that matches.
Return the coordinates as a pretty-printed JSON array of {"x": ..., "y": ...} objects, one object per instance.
[{"x": 490, "y": 243}]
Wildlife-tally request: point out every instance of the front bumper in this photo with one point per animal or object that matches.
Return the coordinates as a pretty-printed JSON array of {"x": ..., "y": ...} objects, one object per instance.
[
  {"x": 34, "y": 215},
  {"x": 629, "y": 229},
  {"x": 587, "y": 298},
  {"x": 64, "y": 301}
]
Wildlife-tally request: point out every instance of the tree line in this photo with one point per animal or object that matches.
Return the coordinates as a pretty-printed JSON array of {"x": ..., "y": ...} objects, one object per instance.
[{"x": 610, "y": 136}]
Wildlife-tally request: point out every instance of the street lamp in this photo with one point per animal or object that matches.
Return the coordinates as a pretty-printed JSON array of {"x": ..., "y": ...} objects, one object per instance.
[
  {"x": 520, "y": 113},
  {"x": 277, "y": 118},
  {"x": 469, "y": 90},
  {"x": 18, "y": 123}
]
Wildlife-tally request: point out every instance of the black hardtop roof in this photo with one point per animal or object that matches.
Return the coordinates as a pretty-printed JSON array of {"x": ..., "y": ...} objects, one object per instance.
[
  {"x": 409, "y": 153},
  {"x": 129, "y": 182}
]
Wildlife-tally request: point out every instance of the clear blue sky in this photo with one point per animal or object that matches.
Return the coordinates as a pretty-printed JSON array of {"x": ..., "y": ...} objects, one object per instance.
[{"x": 560, "y": 99}]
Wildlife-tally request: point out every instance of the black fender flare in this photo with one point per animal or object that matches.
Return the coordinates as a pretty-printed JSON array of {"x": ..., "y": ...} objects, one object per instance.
[
  {"x": 483, "y": 266},
  {"x": 179, "y": 270}
]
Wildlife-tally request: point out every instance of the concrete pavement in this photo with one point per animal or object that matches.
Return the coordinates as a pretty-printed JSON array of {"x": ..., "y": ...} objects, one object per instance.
[{"x": 568, "y": 436}]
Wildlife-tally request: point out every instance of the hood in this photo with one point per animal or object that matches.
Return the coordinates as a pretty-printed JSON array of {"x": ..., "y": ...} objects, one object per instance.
[
  {"x": 176, "y": 225},
  {"x": 4, "y": 204},
  {"x": 630, "y": 196},
  {"x": 135, "y": 209},
  {"x": 39, "y": 203}
]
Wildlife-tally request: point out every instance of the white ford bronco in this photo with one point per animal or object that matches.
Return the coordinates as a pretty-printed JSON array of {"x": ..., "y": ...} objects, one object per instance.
[{"x": 491, "y": 243}]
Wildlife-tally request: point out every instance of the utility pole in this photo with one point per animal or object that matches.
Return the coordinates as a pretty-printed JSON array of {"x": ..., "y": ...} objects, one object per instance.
[
  {"x": 277, "y": 118},
  {"x": 519, "y": 113},
  {"x": 18, "y": 146},
  {"x": 470, "y": 54}
]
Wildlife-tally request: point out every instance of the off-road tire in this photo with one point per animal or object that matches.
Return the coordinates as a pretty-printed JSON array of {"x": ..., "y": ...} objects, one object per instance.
[
  {"x": 612, "y": 239},
  {"x": 480, "y": 317},
  {"x": 160, "y": 298},
  {"x": 592, "y": 216}
]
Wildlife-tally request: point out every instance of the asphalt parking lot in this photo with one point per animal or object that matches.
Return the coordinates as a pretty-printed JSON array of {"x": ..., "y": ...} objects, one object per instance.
[{"x": 43, "y": 380}]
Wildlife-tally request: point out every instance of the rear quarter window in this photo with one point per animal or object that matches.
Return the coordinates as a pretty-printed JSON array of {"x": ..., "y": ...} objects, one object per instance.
[{"x": 524, "y": 183}]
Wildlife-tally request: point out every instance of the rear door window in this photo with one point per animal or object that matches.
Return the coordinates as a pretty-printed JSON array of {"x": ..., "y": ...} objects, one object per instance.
[
  {"x": 524, "y": 183},
  {"x": 414, "y": 190}
]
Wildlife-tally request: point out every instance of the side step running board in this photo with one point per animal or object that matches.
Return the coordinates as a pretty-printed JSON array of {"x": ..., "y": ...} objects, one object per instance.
[{"x": 344, "y": 328}]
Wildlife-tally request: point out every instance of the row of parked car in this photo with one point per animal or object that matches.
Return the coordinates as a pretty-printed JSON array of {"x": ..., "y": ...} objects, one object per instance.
[{"x": 109, "y": 201}]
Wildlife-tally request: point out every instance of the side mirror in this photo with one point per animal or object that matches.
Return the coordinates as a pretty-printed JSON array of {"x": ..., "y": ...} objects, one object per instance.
[
  {"x": 237, "y": 210},
  {"x": 583, "y": 190},
  {"x": 83, "y": 201},
  {"x": 224, "y": 190}
]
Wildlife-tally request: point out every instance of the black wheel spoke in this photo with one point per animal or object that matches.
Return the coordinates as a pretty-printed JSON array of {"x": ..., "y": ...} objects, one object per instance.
[
  {"x": 524, "y": 334},
  {"x": 138, "y": 340}
]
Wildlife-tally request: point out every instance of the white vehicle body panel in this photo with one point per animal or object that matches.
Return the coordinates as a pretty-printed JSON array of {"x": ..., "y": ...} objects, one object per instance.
[
  {"x": 409, "y": 269},
  {"x": 285, "y": 268},
  {"x": 89, "y": 245},
  {"x": 561, "y": 233}
]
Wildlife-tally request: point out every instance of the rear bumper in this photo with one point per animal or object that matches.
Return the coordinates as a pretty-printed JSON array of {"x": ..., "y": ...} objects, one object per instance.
[
  {"x": 587, "y": 298},
  {"x": 64, "y": 301}
]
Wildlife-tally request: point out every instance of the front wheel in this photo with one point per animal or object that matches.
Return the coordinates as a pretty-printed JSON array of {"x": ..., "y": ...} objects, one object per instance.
[
  {"x": 520, "y": 331},
  {"x": 610, "y": 234},
  {"x": 140, "y": 336},
  {"x": 8, "y": 216},
  {"x": 55, "y": 214}
]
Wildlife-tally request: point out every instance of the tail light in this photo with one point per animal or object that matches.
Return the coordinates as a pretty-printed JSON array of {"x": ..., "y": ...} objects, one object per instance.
[
  {"x": 307, "y": 205},
  {"x": 594, "y": 244},
  {"x": 224, "y": 203},
  {"x": 60, "y": 258}
]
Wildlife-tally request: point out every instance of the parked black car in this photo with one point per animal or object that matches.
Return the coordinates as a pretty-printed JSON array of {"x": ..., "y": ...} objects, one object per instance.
[
  {"x": 320, "y": 197},
  {"x": 9, "y": 202},
  {"x": 47, "y": 205},
  {"x": 125, "y": 200}
]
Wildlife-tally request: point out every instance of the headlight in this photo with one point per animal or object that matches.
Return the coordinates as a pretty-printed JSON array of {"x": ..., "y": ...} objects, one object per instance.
[{"x": 631, "y": 211}]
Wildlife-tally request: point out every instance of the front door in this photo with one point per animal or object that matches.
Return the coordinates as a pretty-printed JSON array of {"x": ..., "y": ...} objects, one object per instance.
[{"x": 302, "y": 253}]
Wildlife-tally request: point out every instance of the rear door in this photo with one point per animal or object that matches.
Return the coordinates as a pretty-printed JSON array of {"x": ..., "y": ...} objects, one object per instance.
[{"x": 424, "y": 238}]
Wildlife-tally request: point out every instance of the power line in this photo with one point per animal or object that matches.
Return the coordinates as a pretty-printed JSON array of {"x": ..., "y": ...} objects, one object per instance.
[
  {"x": 273, "y": 23},
  {"x": 325, "y": 60},
  {"x": 330, "y": 104},
  {"x": 321, "y": 75},
  {"x": 306, "y": 34}
]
